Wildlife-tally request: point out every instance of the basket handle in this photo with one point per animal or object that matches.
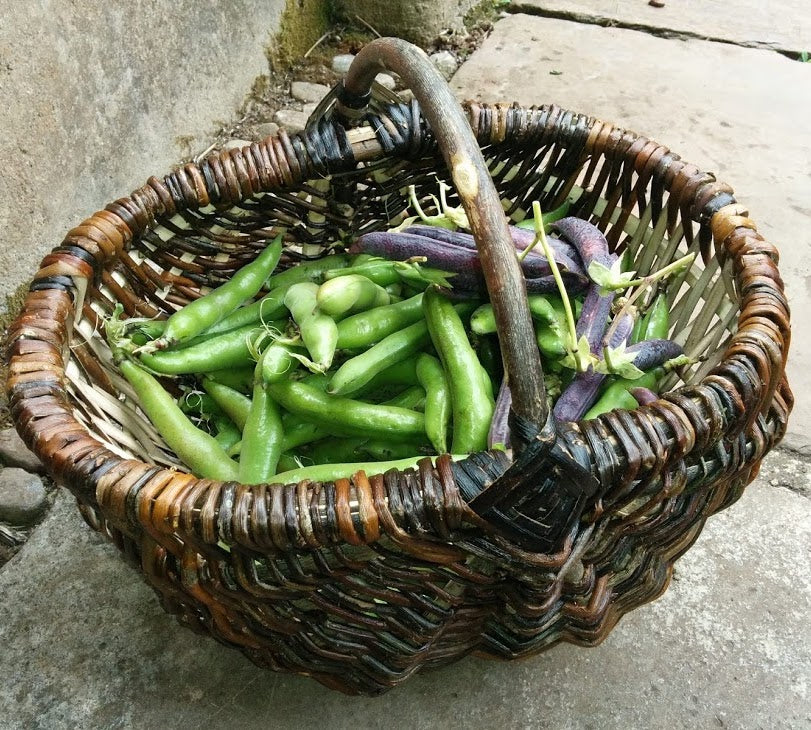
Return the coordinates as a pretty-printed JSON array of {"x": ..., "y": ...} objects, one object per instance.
[{"x": 481, "y": 202}]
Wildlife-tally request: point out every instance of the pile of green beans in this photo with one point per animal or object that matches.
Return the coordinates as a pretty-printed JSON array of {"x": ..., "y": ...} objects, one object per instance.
[
  {"x": 307, "y": 372},
  {"x": 333, "y": 366}
]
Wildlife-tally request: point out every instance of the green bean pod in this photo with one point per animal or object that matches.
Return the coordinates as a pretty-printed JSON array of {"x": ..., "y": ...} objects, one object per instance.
[
  {"x": 437, "y": 401},
  {"x": 299, "y": 431},
  {"x": 199, "y": 405},
  {"x": 230, "y": 350},
  {"x": 617, "y": 394},
  {"x": 289, "y": 461},
  {"x": 547, "y": 218},
  {"x": 202, "y": 313},
  {"x": 278, "y": 362},
  {"x": 331, "y": 472},
  {"x": 657, "y": 320},
  {"x": 471, "y": 403},
  {"x": 543, "y": 308},
  {"x": 261, "y": 436},
  {"x": 209, "y": 335},
  {"x": 234, "y": 404},
  {"x": 359, "y": 370},
  {"x": 197, "y": 449},
  {"x": 412, "y": 398},
  {"x": 401, "y": 373},
  {"x": 335, "y": 450},
  {"x": 268, "y": 309},
  {"x": 346, "y": 417},
  {"x": 227, "y": 432},
  {"x": 380, "y": 271},
  {"x": 367, "y": 328},
  {"x": 388, "y": 450},
  {"x": 240, "y": 379},
  {"x": 309, "y": 271},
  {"x": 319, "y": 333},
  {"x": 146, "y": 330},
  {"x": 489, "y": 356},
  {"x": 550, "y": 343},
  {"x": 348, "y": 294}
]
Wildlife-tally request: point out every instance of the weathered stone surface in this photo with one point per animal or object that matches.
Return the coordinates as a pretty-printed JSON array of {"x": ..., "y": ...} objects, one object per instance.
[
  {"x": 780, "y": 25},
  {"x": 386, "y": 80},
  {"x": 22, "y": 497},
  {"x": 727, "y": 643},
  {"x": 307, "y": 91},
  {"x": 342, "y": 62},
  {"x": 13, "y": 452},
  {"x": 236, "y": 144},
  {"x": 418, "y": 21},
  {"x": 445, "y": 62},
  {"x": 266, "y": 129},
  {"x": 292, "y": 120},
  {"x": 109, "y": 94},
  {"x": 733, "y": 111}
]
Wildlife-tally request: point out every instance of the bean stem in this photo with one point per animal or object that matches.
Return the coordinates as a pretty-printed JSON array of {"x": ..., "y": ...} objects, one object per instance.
[
  {"x": 643, "y": 284},
  {"x": 540, "y": 235}
]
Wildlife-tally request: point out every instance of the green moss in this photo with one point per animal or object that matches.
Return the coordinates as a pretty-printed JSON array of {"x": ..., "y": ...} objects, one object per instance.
[
  {"x": 484, "y": 12},
  {"x": 303, "y": 23}
]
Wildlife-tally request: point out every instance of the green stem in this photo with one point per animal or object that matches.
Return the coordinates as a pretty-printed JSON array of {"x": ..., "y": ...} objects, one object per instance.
[
  {"x": 412, "y": 198},
  {"x": 672, "y": 268},
  {"x": 540, "y": 236},
  {"x": 642, "y": 286}
]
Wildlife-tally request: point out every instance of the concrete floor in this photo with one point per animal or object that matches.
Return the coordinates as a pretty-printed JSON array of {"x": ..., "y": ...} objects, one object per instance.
[{"x": 86, "y": 645}]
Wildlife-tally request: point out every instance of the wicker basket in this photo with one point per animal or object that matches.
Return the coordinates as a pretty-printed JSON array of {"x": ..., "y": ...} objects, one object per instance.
[{"x": 361, "y": 582}]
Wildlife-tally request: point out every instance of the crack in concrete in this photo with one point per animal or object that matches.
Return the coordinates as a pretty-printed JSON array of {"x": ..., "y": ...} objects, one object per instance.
[{"x": 654, "y": 30}]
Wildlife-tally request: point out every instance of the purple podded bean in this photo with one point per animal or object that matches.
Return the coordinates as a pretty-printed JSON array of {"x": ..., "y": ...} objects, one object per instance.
[
  {"x": 441, "y": 255},
  {"x": 655, "y": 352},
  {"x": 581, "y": 393},
  {"x": 499, "y": 426},
  {"x": 464, "y": 262},
  {"x": 565, "y": 255},
  {"x": 622, "y": 330},
  {"x": 643, "y": 396},
  {"x": 594, "y": 316},
  {"x": 467, "y": 285},
  {"x": 573, "y": 283},
  {"x": 586, "y": 238}
]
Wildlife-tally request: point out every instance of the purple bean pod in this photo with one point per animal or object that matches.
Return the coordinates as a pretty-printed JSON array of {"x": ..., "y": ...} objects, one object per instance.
[
  {"x": 582, "y": 392},
  {"x": 565, "y": 254},
  {"x": 622, "y": 331},
  {"x": 643, "y": 396},
  {"x": 573, "y": 283},
  {"x": 586, "y": 238},
  {"x": 499, "y": 426},
  {"x": 594, "y": 316},
  {"x": 464, "y": 262}
]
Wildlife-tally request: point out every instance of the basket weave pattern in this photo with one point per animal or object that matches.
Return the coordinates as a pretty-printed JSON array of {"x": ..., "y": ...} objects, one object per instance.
[{"x": 361, "y": 582}]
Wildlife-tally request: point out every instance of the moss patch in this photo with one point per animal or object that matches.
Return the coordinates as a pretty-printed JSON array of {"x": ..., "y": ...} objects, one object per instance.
[{"x": 303, "y": 23}]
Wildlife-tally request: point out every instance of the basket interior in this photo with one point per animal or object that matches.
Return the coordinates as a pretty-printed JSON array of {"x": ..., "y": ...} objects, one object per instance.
[{"x": 183, "y": 256}]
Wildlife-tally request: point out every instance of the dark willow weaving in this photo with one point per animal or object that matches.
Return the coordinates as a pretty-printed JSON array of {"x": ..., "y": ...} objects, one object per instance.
[{"x": 361, "y": 582}]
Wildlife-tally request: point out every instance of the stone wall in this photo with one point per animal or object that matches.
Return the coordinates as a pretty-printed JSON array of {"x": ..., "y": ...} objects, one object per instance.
[{"x": 98, "y": 96}]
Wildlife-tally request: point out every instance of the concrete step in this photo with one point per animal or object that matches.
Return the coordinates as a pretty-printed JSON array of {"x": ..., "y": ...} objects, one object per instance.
[{"x": 783, "y": 26}]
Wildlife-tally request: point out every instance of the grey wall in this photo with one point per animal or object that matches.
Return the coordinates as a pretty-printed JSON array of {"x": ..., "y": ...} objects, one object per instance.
[{"x": 93, "y": 99}]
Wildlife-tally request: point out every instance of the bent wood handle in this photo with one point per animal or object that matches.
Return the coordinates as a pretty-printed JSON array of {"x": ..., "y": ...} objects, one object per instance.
[{"x": 481, "y": 202}]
